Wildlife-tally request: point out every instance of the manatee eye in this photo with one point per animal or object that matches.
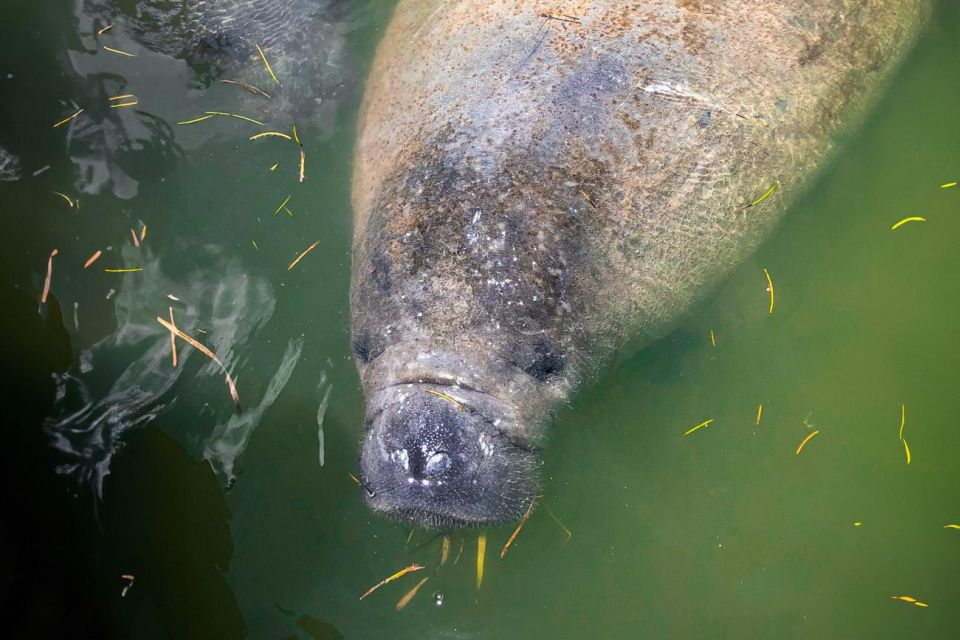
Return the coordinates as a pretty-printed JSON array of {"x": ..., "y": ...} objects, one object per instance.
[{"x": 437, "y": 464}]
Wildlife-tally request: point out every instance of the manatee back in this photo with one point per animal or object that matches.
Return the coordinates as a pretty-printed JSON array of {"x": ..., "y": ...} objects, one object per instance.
[{"x": 642, "y": 129}]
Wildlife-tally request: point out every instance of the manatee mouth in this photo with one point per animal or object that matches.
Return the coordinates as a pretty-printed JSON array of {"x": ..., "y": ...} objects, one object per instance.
[{"x": 439, "y": 456}]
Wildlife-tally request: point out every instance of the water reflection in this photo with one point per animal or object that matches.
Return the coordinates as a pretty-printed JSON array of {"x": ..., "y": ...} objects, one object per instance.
[{"x": 216, "y": 296}]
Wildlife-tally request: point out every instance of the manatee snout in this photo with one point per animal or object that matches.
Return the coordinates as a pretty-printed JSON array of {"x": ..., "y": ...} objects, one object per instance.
[{"x": 438, "y": 456}]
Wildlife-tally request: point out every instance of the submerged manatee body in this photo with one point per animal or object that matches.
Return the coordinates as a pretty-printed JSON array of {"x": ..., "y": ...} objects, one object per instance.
[{"x": 536, "y": 183}]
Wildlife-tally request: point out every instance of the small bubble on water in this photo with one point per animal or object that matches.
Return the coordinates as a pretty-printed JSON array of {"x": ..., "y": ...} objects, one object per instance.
[{"x": 438, "y": 599}]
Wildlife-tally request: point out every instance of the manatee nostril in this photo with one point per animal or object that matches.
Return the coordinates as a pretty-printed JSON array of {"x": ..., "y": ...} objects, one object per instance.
[{"x": 437, "y": 464}]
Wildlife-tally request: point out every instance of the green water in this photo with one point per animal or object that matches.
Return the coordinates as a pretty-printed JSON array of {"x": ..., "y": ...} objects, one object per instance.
[{"x": 725, "y": 533}]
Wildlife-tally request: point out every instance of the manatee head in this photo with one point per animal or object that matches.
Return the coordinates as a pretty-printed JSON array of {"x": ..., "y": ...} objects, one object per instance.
[{"x": 441, "y": 451}]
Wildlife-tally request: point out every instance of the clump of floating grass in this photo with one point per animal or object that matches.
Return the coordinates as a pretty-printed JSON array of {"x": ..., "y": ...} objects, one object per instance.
[
  {"x": 67, "y": 198},
  {"x": 300, "y": 257},
  {"x": 205, "y": 351},
  {"x": 93, "y": 258},
  {"x": 903, "y": 421},
  {"x": 46, "y": 281},
  {"x": 249, "y": 87},
  {"x": 900, "y": 223},
  {"x": 444, "y": 396},
  {"x": 389, "y": 579},
  {"x": 481, "y": 555},
  {"x": 759, "y": 413},
  {"x": 516, "y": 532},
  {"x": 769, "y": 288},
  {"x": 129, "y": 270},
  {"x": 119, "y": 52},
  {"x": 444, "y": 550},
  {"x": 104, "y": 30},
  {"x": 806, "y": 440},
  {"x": 67, "y": 119},
  {"x": 910, "y": 600},
  {"x": 405, "y": 600},
  {"x": 698, "y": 427},
  {"x": 267, "y": 64},
  {"x": 270, "y": 134}
]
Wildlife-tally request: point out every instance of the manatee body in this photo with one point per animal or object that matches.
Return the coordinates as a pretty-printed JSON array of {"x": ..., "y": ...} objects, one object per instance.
[{"x": 536, "y": 183}]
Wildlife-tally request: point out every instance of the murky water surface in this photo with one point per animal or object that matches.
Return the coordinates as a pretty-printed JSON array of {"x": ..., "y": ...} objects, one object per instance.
[{"x": 117, "y": 465}]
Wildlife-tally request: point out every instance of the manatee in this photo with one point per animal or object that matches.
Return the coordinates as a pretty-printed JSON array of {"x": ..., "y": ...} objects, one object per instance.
[{"x": 538, "y": 184}]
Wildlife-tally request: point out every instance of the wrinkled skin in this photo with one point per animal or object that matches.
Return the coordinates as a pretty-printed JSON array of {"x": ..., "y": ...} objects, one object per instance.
[{"x": 538, "y": 182}]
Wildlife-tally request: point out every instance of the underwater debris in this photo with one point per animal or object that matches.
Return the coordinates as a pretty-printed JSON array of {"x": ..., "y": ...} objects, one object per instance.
[
  {"x": 766, "y": 194},
  {"x": 713, "y": 339},
  {"x": 699, "y": 426},
  {"x": 481, "y": 555},
  {"x": 300, "y": 257},
  {"x": 269, "y": 134},
  {"x": 516, "y": 531},
  {"x": 398, "y": 574},
  {"x": 444, "y": 396},
  {"x": 249, "y": 87},
  {"x": 119, "y": 52},
  {"x": 910, "y": 600},
  {"x": 267, "y": 64},
  {"x": 67, "y": 198},
  {"x": 444, "y": 550},
  {"x": 205, "y": 351},
  {"x": 46, "y": 282},
  {"x": 67, "y": 119},
  {"x": 196, "y": 120},
  {"x": 769, "y": 288},
  {"x": 283, "y": 205},
  {"x": 405, "y": 600},
  {"x": 234, "y": 115},
  {"x": 93, "y": 258},
  {"x": 806, "y": 440},
  {"x": 128, "y": 270},
  {"x": 126, "y": 588},
  {"x": 899, "y": 224},
  {"x": 903, "y": 421},
  {"x": 550, "y": 512},
  {"x": 759, "y": 413},
  {"x": 173, "y": 339}
]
